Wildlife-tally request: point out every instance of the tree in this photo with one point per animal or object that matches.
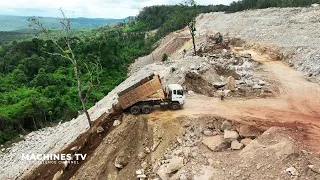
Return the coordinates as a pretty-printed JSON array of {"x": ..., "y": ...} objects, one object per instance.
[
  {"x": 192, "y": 24},
  {"x": 64, "y": 50},
  {"x": 184, "y": 15}
]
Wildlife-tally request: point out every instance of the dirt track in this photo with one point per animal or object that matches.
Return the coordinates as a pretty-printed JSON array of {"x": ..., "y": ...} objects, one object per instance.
[
  {"x": 299, "y": 101},
  {"x": 296, "y": 108}
]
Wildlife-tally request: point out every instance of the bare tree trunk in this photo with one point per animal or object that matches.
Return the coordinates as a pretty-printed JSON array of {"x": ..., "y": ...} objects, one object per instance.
[
  {"x": 68, "y": 54},
  {"x": 83, "y": 101},
  {"x": 194, "y": 45},
  {"x": 34, "y": 123},
  {"x": 86, "y": 112},
  {"x": 23, "y": 130},
  {"x": 45, "y": 117}
]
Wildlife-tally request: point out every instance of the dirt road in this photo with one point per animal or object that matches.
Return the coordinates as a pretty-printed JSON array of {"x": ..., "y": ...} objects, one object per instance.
[
  {"x": 298, "y": 102},
  {"x": 296, "y": 107}
]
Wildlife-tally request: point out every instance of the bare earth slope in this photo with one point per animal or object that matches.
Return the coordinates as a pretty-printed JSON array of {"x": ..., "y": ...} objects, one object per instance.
[
  {"x": 291, "y": 109},
  {"x": 292, "y": 32}
]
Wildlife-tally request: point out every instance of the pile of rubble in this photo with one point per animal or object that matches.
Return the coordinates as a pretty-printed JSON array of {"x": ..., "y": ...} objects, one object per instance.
[
  {"x": 280, "y": 28},
  {"x": 238, "y": 74},
  {"x": 211, "y": 147}
]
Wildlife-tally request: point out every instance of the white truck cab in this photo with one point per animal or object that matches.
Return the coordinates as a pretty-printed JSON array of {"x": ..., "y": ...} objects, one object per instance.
[{"x": 176, "y": 93}]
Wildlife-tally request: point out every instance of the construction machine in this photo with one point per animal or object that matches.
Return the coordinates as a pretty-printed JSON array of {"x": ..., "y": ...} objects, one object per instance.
[{"x": 149, "y": 92}]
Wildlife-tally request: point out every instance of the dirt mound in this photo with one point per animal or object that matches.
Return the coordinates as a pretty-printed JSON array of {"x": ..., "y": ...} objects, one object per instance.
[
  {"x": 273, "y": 154},
  {"x": 246, "y": 74}
]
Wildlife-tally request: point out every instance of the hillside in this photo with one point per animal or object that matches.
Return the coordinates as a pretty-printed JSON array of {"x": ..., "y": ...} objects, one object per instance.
[
  {"x": 269, "y": 111},
  {"x": 15, "y": 23}
]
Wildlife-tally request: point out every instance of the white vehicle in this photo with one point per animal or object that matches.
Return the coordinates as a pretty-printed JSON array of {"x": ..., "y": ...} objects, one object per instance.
[{"x": 142, "y": 96}]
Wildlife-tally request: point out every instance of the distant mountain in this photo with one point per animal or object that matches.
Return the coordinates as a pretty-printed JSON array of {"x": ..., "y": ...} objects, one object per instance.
[{"x": 14, "y": 23}]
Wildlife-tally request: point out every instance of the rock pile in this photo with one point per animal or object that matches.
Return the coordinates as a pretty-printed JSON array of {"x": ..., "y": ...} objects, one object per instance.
[
  {"x": 281, "y": 28},
  {"x": 215, "y": 135}
]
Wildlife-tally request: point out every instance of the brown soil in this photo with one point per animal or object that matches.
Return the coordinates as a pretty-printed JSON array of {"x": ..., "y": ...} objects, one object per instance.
[
  {"x": 296, "y": 108},
  {"x": 87, "y": 142},
  {"x": 299, "y": 101}
]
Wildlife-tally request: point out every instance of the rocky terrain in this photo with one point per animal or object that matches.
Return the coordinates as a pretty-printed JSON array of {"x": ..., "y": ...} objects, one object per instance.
[
  {"x": 289, "y": 34},
  {"x": 267, "y": 128}
]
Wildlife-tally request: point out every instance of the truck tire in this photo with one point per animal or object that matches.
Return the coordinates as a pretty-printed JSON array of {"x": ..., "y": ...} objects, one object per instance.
[
  {"x": 135, "y": 110},
  {"x": 175, "y": 106},
  {"x": 146, "y": 109}
]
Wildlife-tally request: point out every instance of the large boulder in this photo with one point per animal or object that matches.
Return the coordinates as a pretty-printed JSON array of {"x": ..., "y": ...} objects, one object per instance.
[
  {"x": 230, "y": 136},
  {"x": 215, "y": 143},
  {"x": 249, "y": 131}
]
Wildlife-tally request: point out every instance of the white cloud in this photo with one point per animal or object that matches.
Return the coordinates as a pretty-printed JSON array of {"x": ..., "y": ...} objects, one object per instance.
[{"x": 86, "y": 8}]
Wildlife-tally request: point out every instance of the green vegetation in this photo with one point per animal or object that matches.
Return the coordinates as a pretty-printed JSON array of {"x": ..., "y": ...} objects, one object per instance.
[
  {"x": 38, "y": 89},
  {"x": 16, "y": 23},
  {"x": 167, "y": 18},
  {"x": 165, "y": 57}
]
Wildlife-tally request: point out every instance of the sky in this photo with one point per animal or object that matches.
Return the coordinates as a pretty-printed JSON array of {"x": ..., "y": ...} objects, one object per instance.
[{"x": 86, "y": 8}]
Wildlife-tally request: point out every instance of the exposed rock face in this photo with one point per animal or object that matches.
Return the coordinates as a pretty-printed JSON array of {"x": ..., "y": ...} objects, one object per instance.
[
  {"x": 215, "y": 143},
  {"x": 279, "y": 148},
  {"x": 305, "y": 50}
]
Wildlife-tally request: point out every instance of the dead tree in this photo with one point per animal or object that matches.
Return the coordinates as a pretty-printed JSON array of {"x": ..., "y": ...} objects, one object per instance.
[
  {"x": 66, "y": 52},
  {"x": 191, "y": 24}
]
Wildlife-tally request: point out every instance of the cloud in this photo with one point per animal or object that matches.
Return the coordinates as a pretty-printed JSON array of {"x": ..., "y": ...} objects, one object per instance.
[{"x": 86, "y": 8}]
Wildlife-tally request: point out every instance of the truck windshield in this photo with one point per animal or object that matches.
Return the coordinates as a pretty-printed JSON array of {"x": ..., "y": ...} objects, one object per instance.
[{"x": 180, "y": 92}]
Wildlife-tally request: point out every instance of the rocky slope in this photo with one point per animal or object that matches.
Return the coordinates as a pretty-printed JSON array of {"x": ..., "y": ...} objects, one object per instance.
[{"x": 289, "y": 32}]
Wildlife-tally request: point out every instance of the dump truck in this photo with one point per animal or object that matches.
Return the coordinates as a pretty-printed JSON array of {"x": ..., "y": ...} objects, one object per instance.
[{"x": 149, "y": 92}]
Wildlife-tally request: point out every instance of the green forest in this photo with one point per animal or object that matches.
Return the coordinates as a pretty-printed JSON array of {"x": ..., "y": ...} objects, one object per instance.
[
  {"x": 21, "y": 23},
  {"x": 38, "y": 89}
]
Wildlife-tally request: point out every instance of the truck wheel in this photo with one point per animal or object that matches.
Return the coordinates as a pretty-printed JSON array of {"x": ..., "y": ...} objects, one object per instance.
[
  {"x": 146, "y": 109},
  {"x": 175, "y": 106},
  {"x": 135, "y": 110}
]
